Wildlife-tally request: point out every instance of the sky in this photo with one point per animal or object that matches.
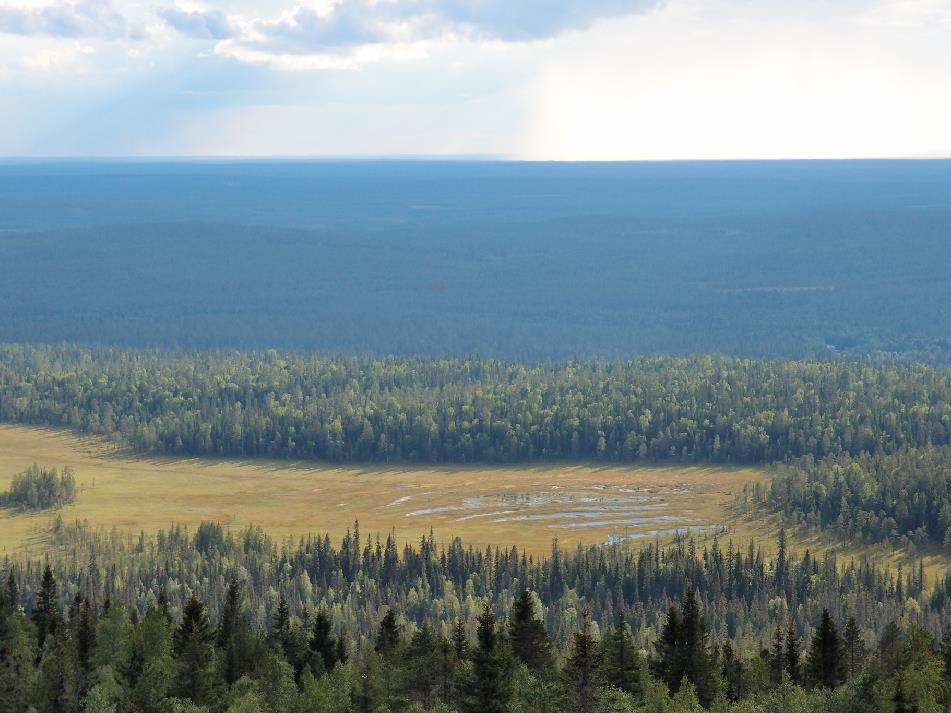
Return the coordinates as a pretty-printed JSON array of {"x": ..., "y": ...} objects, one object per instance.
[{"x": 521, "y": 79}]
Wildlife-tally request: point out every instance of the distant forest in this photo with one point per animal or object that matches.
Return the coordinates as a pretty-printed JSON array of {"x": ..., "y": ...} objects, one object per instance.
[
  {"x": 508, "y": 260},
  {"x": 866, "y": 443}
]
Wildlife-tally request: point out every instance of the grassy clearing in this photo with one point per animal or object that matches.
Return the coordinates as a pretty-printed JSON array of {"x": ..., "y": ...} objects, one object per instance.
[
  {"x": 525, "y": 505},
  {"x": 528, "y": 505}
]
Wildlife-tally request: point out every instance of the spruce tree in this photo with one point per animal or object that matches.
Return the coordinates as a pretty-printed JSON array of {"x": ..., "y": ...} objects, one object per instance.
[
  {"x": 699, "y": 668},
  {"x": 388, "y": 635},
  {"x": 46, "y": 611},
  {"x": 581, "y": 669},
  {"x": 281, "y": 626},
  {"x": 621, "y": 661},
  {"x": 460, "y": 640},
  {"x": 323, "y": 644},
  {"x": 230, "y": 614},
  {"x": 85, "y": 645},
  {"x": 777, "y": 657},
  {"x": 420, "y": 667},
  {"x": 826, "y": 664},
  {"x": 194, "y": 654},
  {"x": 527, "y": 636},
  {"x": 487, "y": 690},
  {"x": 853, "y": 648},
  {"x": 669, "y": 665},
  {"x": 732, "y": 673},
  {"x": 793, "y": 655}
]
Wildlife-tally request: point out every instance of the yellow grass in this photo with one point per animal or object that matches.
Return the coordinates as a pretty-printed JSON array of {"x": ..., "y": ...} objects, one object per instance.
[{"x": 526, "y": 506}]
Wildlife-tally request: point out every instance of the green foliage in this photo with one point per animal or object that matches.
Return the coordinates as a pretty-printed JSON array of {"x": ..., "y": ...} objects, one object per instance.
[
  {"x": 902, "y": 497},
  {"x": 40, "y": 489},
  {"x": 467, "y": 410},
  {"x": 527, "y": 636}
]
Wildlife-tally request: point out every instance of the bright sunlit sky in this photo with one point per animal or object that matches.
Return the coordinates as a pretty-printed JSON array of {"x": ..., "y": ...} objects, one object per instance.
[{"x": 532, "y": 79}]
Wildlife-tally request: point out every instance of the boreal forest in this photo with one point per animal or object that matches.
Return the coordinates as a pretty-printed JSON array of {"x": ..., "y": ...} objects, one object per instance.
[{"x": 740, "y": 372}]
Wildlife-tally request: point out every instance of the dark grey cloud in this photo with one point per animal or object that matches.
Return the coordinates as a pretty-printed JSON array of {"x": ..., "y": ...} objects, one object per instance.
[
  {"x": 83, "y": 18},
  {"x": 211, "y": 24}
]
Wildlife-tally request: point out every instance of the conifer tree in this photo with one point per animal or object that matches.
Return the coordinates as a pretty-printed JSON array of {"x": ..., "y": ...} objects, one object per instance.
[
  {"x": 699, "y": 668},
  {"x": 732, "y": 673},
  {"x": 826, "y": 664},
  {"x": 854, "y": 648},
  {"x": 793, "y": 655},
  {"x": 460, "y": 640},
  {"x": 85, "y": 644},
  {"x": 194, "y": 654},
  {"x": 230, "y": 614},
  {"x": 420, "y": 667},
  {"x": 622, "y": 664},
  {"x": 388, "y": 635},
  {"x": 487, "y": 691},
  {"x": 581, "y": 669},
  {"x": 281, "y": 626},
  {"x": 777, "y": 657},
  {"x": 324, "y": 647},
  {"x": 669, "y": 665},
  {"x": 527, "y": 636},
  {"x": 46, "y": 611}
]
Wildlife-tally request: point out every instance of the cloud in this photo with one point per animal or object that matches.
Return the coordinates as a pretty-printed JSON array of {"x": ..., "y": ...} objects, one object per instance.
[
  {"x": 211, "y": 24},
  {"x": 336, "y": 33},
  {"x": 82, "y": 18}
]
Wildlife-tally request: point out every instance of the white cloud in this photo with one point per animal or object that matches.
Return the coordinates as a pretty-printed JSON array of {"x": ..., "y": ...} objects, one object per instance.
[
  {"x": 80, "y": 18},
  {"x": 350, "y": 33},
  {"x": 201, "y": 24}
]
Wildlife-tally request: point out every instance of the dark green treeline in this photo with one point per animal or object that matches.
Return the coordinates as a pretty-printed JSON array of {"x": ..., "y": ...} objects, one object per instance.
[
  {"x": 232, "y": 622},
  {"x": 460, "y": 410}
]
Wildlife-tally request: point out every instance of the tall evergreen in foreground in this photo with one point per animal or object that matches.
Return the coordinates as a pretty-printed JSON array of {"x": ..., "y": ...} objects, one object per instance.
[
  {"x": 583, "y": 669},
  {"x": 623, "y": 667},
  {"x": 195, "y": 674},
  {"x": 527, "y": 636},
  {"x": 826, "y": 662},
  {"x": 488, "y": 689}
]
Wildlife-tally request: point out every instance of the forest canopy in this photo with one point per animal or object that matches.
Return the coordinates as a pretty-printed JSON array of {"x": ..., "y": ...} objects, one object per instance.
[{"x": 462, "y": 410}]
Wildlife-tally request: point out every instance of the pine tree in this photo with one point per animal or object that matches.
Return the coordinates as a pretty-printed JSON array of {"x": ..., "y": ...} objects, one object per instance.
[
  {"x": 527, "y": 636},
  {"x": 281, "y": 626},
  {"x": 230, "y": 614},
  {"x": 46, "y": 611},
  {"x": 793, "y": 655},
  {"x": 85, "y": 645},
  {"x": 622, "y": 665},
  {"x": 419, "y": 667},
  {"x": 323, "y": 644},
  {"x": 670, "y": 666},
  {"x": 826, "y": 665},
  {"x": 581, "y": 669},
  {"x": 782, "y": 563},
  {"x": 777, "y": 657},
  {"x": 732, "y": 673},
  {"x": 460, "y": 640},
  {"x": 487, "y": 691},
  {"x": 699, "y": 668},
  {"x": 388, "y": 635},
  {"x": 854, "y": 648},
  {"x": 194, "y": 654}
]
